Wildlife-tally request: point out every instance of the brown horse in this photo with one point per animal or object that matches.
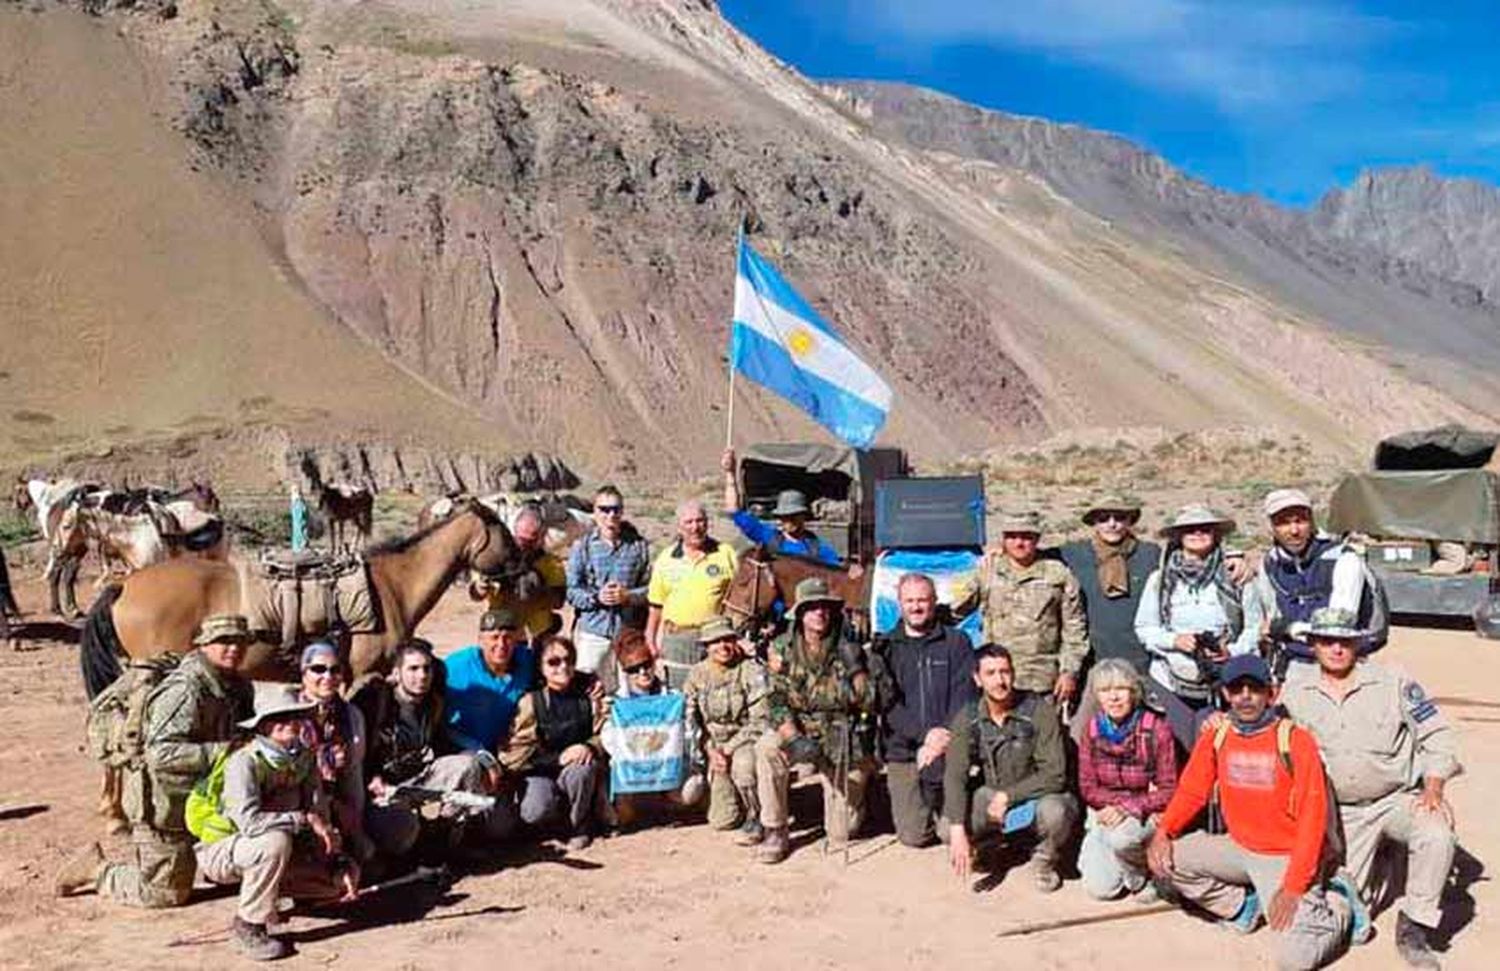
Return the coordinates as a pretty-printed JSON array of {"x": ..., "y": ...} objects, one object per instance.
[
  {"x": 762, "y": 577},
  {"x": 156, "y": 610},
  {"x": 347, "y": 505}
]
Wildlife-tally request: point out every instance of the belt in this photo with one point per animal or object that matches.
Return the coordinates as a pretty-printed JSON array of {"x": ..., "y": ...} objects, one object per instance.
[{"x": 672, "y": 628}]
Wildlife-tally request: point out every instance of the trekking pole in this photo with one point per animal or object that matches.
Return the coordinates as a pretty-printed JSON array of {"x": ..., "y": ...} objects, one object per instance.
[{"x": 1062, "y": 923}]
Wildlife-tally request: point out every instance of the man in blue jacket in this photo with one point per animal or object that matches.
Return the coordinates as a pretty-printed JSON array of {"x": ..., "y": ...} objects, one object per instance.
[{"x": 931, "y": 664}]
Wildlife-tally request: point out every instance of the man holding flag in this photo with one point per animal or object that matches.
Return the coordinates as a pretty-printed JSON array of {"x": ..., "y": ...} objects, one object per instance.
[{"x": 781, "y": 343}]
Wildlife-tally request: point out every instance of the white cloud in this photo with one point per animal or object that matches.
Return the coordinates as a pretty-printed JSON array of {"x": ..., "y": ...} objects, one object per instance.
[{"x": 1241, "y": 55}]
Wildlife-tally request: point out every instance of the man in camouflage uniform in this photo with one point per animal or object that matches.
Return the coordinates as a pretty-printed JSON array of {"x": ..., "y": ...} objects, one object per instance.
[
  {"x": 1033, "y": 607},
  {"x": 188, "y": 722},
  {"x": 1390, "y": 754},
  {"x": 823, "y": 695},
  {"x": 727, "y": 697}
]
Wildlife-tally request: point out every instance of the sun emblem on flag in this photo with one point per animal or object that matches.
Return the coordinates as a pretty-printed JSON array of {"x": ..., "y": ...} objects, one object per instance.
[{"x": 799, "y": 342}]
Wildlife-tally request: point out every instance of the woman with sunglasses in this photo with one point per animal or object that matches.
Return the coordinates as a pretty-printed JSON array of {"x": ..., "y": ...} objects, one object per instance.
[
  {"x": 640, "y": 679},
  {"x": 336, "y": 735},
  {"x": 554, "y": 746},
  {"x": 1190, "y": 619}
]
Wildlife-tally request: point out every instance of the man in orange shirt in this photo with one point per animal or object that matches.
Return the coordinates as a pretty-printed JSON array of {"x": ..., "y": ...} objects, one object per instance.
[{"x": 1275, "y": 806}]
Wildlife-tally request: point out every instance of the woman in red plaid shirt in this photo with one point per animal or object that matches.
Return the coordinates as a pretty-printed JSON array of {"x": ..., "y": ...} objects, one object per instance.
[{"x": 1127, "y": 772}]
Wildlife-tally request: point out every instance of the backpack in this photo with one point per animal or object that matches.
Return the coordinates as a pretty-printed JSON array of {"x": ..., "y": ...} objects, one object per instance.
[
  {"x": 204, "y": 813},
  {"x": 1333, "y": 834},
  {"x": 116, "y": 717}
]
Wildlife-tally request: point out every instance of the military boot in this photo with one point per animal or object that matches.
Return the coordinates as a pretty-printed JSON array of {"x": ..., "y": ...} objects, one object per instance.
[
  {"x": 776, "y": 846},
  {"x": 252, "y": 941},
  {"x": 81, "y": 872},
  {"x": 1412, "y": 944}
]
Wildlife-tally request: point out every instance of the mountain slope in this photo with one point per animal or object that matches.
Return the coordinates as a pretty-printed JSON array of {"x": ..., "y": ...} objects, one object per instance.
[{"x": 528, "y": 210}]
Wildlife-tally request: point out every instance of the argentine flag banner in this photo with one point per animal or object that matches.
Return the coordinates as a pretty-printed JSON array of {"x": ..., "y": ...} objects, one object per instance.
[
  {"x": 646, "y": 743},
  {"x": 780, "y": 342}
]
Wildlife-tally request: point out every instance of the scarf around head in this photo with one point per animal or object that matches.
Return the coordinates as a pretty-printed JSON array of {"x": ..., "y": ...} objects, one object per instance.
[{"x": 1113, "y": 565}]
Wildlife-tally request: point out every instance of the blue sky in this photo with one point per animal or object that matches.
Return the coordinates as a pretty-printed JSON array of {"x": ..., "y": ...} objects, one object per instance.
[{"x": 1285, "y": 98}]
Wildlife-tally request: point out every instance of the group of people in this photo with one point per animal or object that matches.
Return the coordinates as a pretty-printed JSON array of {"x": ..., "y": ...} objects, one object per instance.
[{"x": 1105, "y": 667}]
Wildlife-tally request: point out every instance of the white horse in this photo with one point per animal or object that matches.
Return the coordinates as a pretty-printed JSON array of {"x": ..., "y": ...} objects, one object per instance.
[
  {"x": 563, "y": 523},
  {"x": 55, "y": 503}
]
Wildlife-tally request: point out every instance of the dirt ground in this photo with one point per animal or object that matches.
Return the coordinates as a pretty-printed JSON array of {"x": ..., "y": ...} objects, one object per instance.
[{"x": 667, "y": 895}]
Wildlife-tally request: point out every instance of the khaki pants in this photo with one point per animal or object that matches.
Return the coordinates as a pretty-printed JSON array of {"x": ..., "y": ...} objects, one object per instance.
[
  {"x": 160, "y": 875},
  {"x": 265, "y": 867},
  {"x": 842, "y": 815},
  {"x": 1216, "y": 873},
  {"x": 1429, "y": 840},
  {"x": 916, "y": 801},
  {"x": 731, "y": 797},
  {"x": 680, "y": 650}
]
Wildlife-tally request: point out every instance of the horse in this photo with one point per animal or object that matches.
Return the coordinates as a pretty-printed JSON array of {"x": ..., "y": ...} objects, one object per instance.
[
  {"x": 67, "y": 543},
  {"x": 157, "y": 610},
  {"x": 761, "y": 577},
  {"x": 563, "y": 517},
  {"x": 343, "y": 504}
]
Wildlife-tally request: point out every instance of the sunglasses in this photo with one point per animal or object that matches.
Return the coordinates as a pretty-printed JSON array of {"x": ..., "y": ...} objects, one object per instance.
[
  {"x": 609, "y": 510},
  {"x": 322, "y": 669},
  {"x": 1112, "y": 517},
  {"x": 558, "y": 662},
  {"x": 644, "y": 667}
]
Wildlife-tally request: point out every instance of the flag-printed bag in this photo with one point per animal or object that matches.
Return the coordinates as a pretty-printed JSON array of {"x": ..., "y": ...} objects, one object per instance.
[{"x": 646, "y": 743}]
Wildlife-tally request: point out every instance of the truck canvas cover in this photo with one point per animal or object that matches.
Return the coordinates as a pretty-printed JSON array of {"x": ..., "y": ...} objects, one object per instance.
[{"x": 1457, "y": 505}]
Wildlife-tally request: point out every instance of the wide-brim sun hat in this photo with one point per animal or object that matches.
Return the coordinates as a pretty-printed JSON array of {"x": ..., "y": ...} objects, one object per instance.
[
  {"x": 790, "y": 502},
  {"x": 717, "y": 629},
  {"x": 1120, "y": 504},
  {"x": 813, "y": 590},
  {"x": 277, "y": 704},
  {"x": 1197, "y": 514},
  {"x": 1335, "y": 623}
]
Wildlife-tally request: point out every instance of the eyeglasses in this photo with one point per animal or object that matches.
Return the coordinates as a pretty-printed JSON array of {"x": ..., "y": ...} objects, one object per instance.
[
  {"x": 609, "y": 510},
  {"x": 644, "y": 667},
  {"x": 1112, "y": 517},
  {"x": 322, "y": 669},
  {"x": 557, "y": 662}
]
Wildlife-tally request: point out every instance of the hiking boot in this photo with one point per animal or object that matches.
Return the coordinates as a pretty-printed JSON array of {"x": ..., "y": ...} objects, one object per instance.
[
  {"x": 1045, "y": 876},
  {"x": 252, "y": 941},
  {"x": 776, "y": 846},
  {"x": 580, "y": 842},
  {"x": 1361, "y": 927},
  {"x": 81, "y": 872},
  {"x": 750, "y": 834},
  {"x": 1412, "y": 944},
  {"x": 1248, "y": 918}
]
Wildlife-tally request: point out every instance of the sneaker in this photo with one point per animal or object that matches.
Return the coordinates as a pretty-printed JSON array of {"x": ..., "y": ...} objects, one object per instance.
[
  {"x": 1045, "y": 876},
  {"x": 1148, "y": 894},
  {"x": 81, "y": 872},
  {"x": 252, "y": 941},
  {"x": 775, "y": 847},
  {"x": 580, "y": 842},
  {"x": 1361, "y": 927},
  {"x": 751, "y": 833},
  {"x": 1412, "y": 944},
  {"x": 1249, "y": 917}
]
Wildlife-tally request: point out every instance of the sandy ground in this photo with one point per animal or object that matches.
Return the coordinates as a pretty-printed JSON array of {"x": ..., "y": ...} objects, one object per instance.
[{"x": 666, "y": 895}]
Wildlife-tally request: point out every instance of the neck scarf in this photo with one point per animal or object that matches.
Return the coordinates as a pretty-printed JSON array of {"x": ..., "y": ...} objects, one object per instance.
[
  {"x": 276, "y": 757},
  {"x": 1183, "y": 569},
  {"x": 1266, "y": 719},
  {"x": 1114, "y": 577},
  {"x": 1117, "y": 734}
]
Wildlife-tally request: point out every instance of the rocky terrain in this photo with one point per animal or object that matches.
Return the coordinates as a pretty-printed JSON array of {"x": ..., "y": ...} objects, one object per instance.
[{"x": 419, "y": 237}]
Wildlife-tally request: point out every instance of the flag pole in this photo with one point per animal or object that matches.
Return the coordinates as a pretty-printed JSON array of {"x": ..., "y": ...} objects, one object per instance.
[{"x": 729, "y": 417}]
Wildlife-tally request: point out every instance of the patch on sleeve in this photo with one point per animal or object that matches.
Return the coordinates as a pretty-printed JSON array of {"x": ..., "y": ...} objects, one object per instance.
[{"x": 1418, "y": 705}]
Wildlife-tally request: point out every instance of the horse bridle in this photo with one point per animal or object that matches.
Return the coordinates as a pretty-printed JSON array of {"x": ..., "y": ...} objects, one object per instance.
[{"x": 748, "y": 613}]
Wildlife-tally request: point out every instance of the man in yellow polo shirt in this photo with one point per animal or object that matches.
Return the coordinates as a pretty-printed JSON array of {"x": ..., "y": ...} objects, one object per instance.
[
  {"x": 538, "y": 613},
  {"x": 688, "y": 581}
]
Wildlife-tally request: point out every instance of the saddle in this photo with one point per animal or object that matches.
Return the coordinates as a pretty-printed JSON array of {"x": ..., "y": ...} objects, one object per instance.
[{"x": 302, "y": 595}]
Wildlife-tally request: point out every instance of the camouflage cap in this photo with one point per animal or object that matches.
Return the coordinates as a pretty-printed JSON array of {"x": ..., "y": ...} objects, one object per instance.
[
  {"x": 1334, "y": 623},
  {"x": 501, "y": 618},
  {"x": 1021, "y": 522},
  {"x": 1278, "y": 500},
  {"x": 717, "y": 629},
  {"x": 223, "y": 628},
  {"x": 813, "y": 590}
]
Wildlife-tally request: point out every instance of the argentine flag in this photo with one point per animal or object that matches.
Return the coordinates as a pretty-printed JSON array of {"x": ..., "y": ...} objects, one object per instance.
[{"x": 780, "y": 342}]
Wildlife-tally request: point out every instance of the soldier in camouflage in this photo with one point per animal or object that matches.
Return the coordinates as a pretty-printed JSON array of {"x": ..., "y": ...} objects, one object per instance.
[
  {"x": 727, "y": 698},
  {"x": 189, "y": 721},
  {"x": 824, "y": 695},
  {"x": 1033, "y": 607}
]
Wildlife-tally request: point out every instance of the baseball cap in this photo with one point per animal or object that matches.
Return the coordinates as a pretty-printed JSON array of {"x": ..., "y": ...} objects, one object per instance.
[
  {"x": 1246, "y": 667},
  {"x": 499, "y": 619}
]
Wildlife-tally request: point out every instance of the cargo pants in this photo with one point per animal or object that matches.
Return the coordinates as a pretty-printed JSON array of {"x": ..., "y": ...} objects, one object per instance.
[
  {"x": 159, "y": 875},
  {"x": 843, "y": 807},
  {"x": 265, "y": 867},
  {"x": 1430, "y": 844}
]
